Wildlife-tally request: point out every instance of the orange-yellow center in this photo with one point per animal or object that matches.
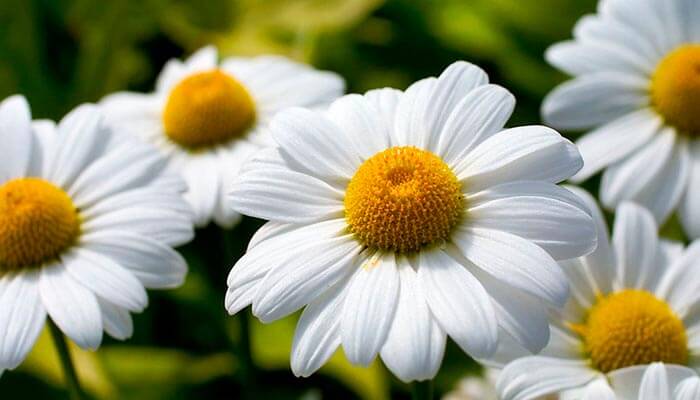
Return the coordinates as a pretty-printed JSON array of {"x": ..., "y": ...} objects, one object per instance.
[
  {"x": 38, "y": 221},
  {"x": 632, "y": 327},
  {"x": 208, "y": 109},
  {"x": 402, "y": 199},
  {"x": 675, "y": 89}
]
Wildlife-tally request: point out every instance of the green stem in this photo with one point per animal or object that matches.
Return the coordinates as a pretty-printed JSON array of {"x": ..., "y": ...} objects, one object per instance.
[
  {"x": 71, "y": 377},
  {"x": 422, "y": 390}
]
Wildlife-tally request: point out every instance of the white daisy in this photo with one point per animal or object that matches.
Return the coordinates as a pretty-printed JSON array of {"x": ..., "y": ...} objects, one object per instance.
[
  {"x": 403, "y": 217},
  {"x": 634, "y": 301},
  {"x": 208, "y": 117},
  {"x": 83, "y": 229},
  {"x": 637, "y": 84}
]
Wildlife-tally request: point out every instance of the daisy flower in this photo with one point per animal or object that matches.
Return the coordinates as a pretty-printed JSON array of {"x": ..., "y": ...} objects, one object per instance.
[
  {"x": 636, "y": 68},
  {"x": 208, "y": 117},
  {"x": 633, "y": 301},
  {"x": 398, "y": 218},
  {"x": 84, "y": 228}
]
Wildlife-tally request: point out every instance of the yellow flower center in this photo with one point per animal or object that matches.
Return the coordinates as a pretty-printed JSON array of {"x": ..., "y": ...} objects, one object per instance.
[
  {"x": 38, "y": 221},
  {"x": 675, "y": 90},
  {"x": 208, "y": 109},
  {"x": 402, "y": 199},
  {"x": 632, "y": 327}
]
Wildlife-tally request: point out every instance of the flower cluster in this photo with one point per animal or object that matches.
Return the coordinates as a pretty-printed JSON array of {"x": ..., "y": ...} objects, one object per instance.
[{"x": 395, "y": 219}]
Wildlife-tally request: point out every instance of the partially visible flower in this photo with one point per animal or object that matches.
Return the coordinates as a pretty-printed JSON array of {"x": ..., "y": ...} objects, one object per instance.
[
  {"x": 84, "y": 229},
  {"x": 634, "y": 301},
  {"x": 482, "y": 388},
  {"x": 398, "y": 218},
  {"x": 636, "y": 68},
  {"x": 208, "y": 117}
]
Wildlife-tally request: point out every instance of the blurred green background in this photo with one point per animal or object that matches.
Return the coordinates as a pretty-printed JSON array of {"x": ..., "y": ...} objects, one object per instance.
[{"x": 60, "y": 53}]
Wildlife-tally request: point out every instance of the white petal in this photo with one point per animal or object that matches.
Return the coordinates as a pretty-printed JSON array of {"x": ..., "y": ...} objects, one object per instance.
[
  {"x": 415, "y": 345},
  {"x": 591, "y": 100},
  {"x": 203, "y": 180},
  {"x": 614, "y": 141},
  {"x": 689, "y": 209},
  {"x": 599, "y": 265},
  {"x": 71, "y": 306},
  {"x": 655, "y": 385},
  {"x": 362, "y": 123},
  {"x": 229, "y": 162},
  {"x": 483, "y": 112},
  {"x": 82, "y": 139},
  {"x": 459, "y": 303},
  {"x": 307, "y": 272},
  {"x": 598, "y": 389},
  {"x": 520, "y": 315},
  {"x": 562, "y": 228},
  {"x": 524, "y": 153},
  {"x": 643, "y": 18},
  {"x": 116, "y": 320},
  {"x": 635, "y": 241},
  {"x": 317, "y": 335},
  {"x": 688, "y": 389},
  {"x": 124, "y": 167},
  {"x": 627, "y": 179},
  {"x": 385, "y": 101},
  {"x": 679, "y": 291},
  {"x": 515, "y": 261},
  {"x": 284, "y": 195},
  {"x": 531, "y": 377},
  {"x": 368, "y": 311},
  {"x": 315, "y": 142},
  {"x": 156, "y": 265},
  {"x": 451, "y": 87},
  {"x": 106, "y": 278},
  {"x": 202, "y": 59},
  {"x": 579, "y": 58},
  {"x": 16, "y": 137},
  {"x": 410, "y": 127},
  {"x": 270, "y": 249},
  {"x": 22, "y": 316}
]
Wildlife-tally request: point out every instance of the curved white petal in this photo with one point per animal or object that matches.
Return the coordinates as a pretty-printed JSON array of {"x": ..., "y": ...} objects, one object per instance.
[
  {"x": 530, "y": 377},
  {"x": 459, "y": 303},
  {"x": 203, "y": 181},
  {"x": 562, "y": 228},
  {"x": 614, "y": 141},
  {"x": 301, "y": 133},
  {"x": 362, "y": 123},
  {"x": 16, "y": 137},
  {"x": 409, "y": 125},
  {"x": 627, "y": 382},
  {"x": 689, "y": 210},
  {"x": 482, "y": 113},
  {"x": 317, "y": 335},
  {"x": 580, "y": 58},
  {"x": 368, "y": 311},
  {"x": 635, "y": 240},
  {"x": 590, "y": 100},
  {"x": 116, "y": 320},
  {"x": 71, "y": 306},
  {"x": 156, "y": 265},
  {"x": 106, "y": 278},
  {"x": 415, "y": 344},
  {"x": 598, "y": 389},
  {"x": 688, "y": 389},
  {"x": 385, "y": 102},
  {"x": 22, "y": 316},
  {"x": 306, "y": 272},
  {"x": 515, "y": 261},
  {"x": 524, "y": 153}
]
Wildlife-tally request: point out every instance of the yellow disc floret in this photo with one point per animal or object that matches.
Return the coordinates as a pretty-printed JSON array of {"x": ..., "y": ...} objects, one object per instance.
[
  {"x": 208, "y": 109},
  {"x": 402, "y": 199},
  {"x": 38, "y": 221},
  {"x": 632, "y": 327},
  {"x": 675, "y": 90}
]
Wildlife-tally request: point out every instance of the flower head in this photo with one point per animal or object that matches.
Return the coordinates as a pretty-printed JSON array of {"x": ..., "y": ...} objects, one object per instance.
[
  {"x": 634, "y": 302},
  {"x": 208, "y": 117},
  {"x": 636, "y": 87},
  {"x": 84, "y": 228},
  {"x": 398, "y": 218}
]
